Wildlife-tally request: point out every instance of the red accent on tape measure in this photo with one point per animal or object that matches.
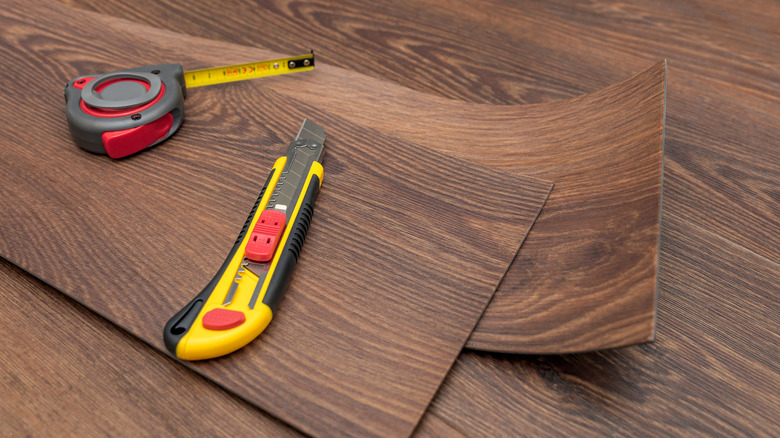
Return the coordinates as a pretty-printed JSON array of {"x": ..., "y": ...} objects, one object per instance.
[
  {"x": 81, "y": 83},
  {"x": 223, "y": 319},
  {"x": 265, "y": 236},
  {"x": 120, "y": 144},
  {"x": 100, "y": 112},
  {"x": 101, "y": 87}
]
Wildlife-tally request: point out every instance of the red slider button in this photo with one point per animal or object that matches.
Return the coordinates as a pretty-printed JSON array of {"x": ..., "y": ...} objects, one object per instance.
[
  {"x": 126, "y": 142},
  {"x": 265, "y": 236},
  {"x": 223, "y": 319}
]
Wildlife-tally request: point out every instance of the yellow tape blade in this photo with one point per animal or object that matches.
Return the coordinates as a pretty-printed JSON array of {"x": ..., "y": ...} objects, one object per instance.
[{"x": 252, "y": 70}]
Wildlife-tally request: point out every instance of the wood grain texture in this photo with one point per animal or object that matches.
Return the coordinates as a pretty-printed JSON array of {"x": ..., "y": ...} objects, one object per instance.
[
  {"x": 712, "y": 370},
  {"x": 68, "y": 372},
  {"x": 397, "y": 268},
  {"x": 586, "y": 276},
  {"x": 77, "y": 374},
  {"x": 721, "y": 173},
  {"x": 722, "y": 161}
]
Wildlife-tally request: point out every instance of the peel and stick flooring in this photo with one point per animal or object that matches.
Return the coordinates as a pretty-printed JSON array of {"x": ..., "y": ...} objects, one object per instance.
[
  {"x": 586, "y": 276},
  {"x": 712, "y": 368}
]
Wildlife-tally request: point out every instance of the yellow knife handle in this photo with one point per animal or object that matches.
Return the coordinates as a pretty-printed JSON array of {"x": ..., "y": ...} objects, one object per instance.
[{"x": 239, "y": 302}]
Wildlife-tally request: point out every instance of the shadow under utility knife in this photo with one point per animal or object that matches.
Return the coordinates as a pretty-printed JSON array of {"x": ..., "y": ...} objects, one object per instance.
[{"x": 239, "y": 302}]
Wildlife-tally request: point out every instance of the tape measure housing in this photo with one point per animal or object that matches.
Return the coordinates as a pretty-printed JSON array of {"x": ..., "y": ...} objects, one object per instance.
[{"x": 124, "y": 112}]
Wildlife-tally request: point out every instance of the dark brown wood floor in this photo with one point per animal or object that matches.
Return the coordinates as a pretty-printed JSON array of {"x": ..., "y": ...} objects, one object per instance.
[
  {"x": 714, "y": 366},
  {"x": 395, "y": 286}
]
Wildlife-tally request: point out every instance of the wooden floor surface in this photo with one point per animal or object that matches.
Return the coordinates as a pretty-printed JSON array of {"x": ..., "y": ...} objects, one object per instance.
[
  {"x": 713, "y": 368},
  {"x": 397, "y": 268}
]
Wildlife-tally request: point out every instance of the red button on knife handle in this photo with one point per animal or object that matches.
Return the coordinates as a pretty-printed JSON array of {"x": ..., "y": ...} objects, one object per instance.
[
  {"x": 223, "y": 319},
  {"x": 265, "y": 236}
]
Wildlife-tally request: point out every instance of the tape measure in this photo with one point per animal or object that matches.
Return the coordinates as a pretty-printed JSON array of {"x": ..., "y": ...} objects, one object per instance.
[{"x": 124, "y": 112}]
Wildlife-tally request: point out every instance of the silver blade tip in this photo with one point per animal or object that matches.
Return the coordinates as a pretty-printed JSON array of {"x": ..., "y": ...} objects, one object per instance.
[{"x": 311, "y": 130}]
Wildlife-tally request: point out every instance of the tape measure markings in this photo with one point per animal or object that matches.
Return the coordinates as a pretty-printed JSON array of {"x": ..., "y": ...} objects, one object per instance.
[{"x": 252, "y": 70}]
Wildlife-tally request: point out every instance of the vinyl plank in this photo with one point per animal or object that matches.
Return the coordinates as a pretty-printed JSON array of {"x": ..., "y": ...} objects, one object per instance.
[
  {"x": 576, "y": 285},
  {"x": 587, "y": 273}
]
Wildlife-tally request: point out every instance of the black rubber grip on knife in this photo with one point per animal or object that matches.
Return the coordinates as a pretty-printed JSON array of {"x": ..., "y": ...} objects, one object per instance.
[{"x": 292, "y": 247}]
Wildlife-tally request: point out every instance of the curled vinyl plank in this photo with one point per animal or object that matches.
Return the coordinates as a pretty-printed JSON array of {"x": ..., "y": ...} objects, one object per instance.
[{"x": 586, "y": 277}]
